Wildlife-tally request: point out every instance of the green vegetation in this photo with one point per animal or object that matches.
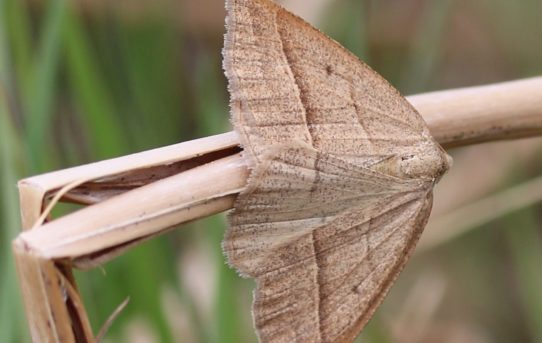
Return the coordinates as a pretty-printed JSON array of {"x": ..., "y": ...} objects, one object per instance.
[{"x": 81, "y": 84}]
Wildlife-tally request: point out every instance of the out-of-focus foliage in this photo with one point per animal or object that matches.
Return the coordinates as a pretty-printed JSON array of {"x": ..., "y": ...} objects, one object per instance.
[{"x": 91, "y": 79}]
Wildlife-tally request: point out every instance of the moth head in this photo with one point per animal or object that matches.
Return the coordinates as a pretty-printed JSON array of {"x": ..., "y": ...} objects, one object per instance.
[{"x": 428, "y": 162}]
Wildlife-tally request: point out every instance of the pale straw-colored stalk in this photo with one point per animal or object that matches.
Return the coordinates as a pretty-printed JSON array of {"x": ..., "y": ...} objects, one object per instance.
[{"x": 136, "y": 197}]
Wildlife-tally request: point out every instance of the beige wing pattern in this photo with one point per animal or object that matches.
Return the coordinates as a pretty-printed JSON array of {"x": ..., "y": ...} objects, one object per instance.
[
  {"x": 264, "y": 97},
  {"x": 323, "y": 239},
  {"x": 331, "y": 210},
  {"x": 289, "y": 81}
]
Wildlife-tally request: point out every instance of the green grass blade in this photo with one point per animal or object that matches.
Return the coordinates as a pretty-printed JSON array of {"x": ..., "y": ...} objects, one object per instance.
[
  {"x": 426, "y": 49},
  {"x": 93, "y": 97},
  {"x": 18, "y": 28},
  {"x": 38, "y": 101},
  {"x": 148, "y": 51},
  {"x": 4, "y": 57},
  {"x": 525, "y": 244},
  {"x": 12, "y": 323},
  {"x": 349, "y": 24},
  {"x": 227, "y": 324}
]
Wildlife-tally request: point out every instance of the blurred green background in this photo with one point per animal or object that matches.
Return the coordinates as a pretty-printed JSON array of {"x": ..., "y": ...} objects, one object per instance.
[{"x": 86, "y": 80}]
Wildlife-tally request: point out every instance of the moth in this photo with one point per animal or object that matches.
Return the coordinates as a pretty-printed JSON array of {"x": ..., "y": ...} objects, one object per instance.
[{"x": 342, "y": 173}]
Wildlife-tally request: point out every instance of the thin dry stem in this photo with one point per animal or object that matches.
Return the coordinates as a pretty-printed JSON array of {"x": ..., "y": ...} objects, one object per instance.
[
  {"x": 139, "y": 196},
  {"x": 473, "y": 115}
]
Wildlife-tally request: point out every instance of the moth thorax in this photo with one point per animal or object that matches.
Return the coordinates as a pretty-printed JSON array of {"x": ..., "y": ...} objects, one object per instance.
[{"x": 427, "y": 163}]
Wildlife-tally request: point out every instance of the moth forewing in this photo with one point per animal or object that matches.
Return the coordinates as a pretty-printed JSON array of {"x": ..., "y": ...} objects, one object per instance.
[{"x": 342, "y": 173}]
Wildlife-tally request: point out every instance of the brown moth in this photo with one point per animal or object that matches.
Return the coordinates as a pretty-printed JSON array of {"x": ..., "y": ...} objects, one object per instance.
[{"x": 343, "y": 169}]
